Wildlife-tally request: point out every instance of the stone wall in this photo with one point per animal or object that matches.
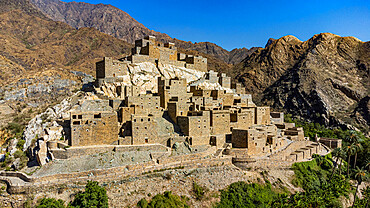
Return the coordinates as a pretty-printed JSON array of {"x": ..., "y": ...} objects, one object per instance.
[
  {"x": 144, "y": 130},
  {"x": 90, "y": 150},
  {"x": 94, "y": 128},
  {"x": 220, "y": 122},
  {"x": 330, "y": 142},
  {"x": 110, "y": 174}
]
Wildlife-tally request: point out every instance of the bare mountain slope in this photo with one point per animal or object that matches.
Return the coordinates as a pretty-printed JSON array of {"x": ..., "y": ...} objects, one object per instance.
[
  {"x": 325, "y": 78},
  {"x": 115, "y": 22}
]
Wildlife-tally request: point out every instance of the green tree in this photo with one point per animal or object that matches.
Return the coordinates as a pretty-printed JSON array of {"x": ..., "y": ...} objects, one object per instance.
[
  {"x": 243, "y": 195},
  {"x": 360, "y": 175},
  {"x": 353, "y": 137},
  {"x": 165, "y": 200},
  {"x": 94, "y": 196},
  {"x": 342, "y": 156},
  {"x": 358, "y": 148},
  {"x": 350, "y": 150},
  {"x": 335, "y": 153},
  {"x": 50, "y": 203}
]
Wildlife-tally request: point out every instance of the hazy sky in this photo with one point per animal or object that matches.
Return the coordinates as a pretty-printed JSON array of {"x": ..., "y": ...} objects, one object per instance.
[{"x": 236, "y": 24}]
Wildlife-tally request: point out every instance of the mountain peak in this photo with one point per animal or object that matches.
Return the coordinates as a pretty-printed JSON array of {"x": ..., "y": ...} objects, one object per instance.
[{"x": 290, "y": 38}]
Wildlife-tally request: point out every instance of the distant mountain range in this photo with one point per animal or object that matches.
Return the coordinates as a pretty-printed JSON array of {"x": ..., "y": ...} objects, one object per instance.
[
  {"x": 324, "y": 79},
  {"x": 115, "y": 22}
]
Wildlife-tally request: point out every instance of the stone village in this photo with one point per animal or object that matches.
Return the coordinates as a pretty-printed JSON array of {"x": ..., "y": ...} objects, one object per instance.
[
  {"x": 223, "y": 118},
  {"x": 212, "y": 117}
]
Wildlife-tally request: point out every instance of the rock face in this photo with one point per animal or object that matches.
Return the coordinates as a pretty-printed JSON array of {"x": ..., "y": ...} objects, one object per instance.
[
  {"x": 44, "y": 125},
  {"x": 115, "y": 22},
  {"x": 145, "y": 75},
  {"x": 324, "y": 79}
]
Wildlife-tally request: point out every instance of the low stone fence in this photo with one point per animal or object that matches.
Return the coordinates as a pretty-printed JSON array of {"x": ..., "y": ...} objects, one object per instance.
[
  {"x": 185, "y": 157},
  {"x": 243, "y": 162},
  {"x": 197, "y": 160},
  {"x": 80, "y": 151},
  {"x": 19, "y": 175}
]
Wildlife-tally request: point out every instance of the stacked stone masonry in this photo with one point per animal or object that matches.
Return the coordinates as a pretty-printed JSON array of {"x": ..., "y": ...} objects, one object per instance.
[{"x": 176, "y": 112}]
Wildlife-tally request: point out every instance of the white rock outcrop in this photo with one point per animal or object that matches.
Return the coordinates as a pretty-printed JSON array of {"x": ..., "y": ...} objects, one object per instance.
[{"x": 145, "y": 76}]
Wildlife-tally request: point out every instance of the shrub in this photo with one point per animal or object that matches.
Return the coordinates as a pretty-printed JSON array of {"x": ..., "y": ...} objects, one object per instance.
[
  {"x": 7, "y": 161},
  {"x": 165, "y": 200},
  {"x": 94, "y": 196},
  {"x": 23, "y": 158},
  {"x": 198, "y": 191},
  {"x": 143, "y": 203},
  {"x": 242, "y": 194},
  {"x": 21, "y": 143},
  {"x": 50, "y": 203},
  {"x": 15, "y": 128}
]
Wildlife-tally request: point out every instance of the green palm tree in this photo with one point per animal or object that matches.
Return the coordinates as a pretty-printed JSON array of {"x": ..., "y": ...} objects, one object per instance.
[
  {"x": 358, "y": 148},
  {"x": 335, "y": 153},
  {"x": 350, "y": 149},
  {"x": 352, "y": 138},
  {"x": 360, "y": 175},
  {"x": 319, "y": 159},
  {"x": 342, "y": 156}
]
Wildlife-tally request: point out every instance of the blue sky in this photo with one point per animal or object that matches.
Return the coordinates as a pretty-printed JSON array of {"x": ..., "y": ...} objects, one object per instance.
[{"x": 236, "y": 24}]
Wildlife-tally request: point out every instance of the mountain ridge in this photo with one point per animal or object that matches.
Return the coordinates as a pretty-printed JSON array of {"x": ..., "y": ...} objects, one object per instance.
[
  {"x": 323, "y": 79},
  {"x": 118, "y": 23}
]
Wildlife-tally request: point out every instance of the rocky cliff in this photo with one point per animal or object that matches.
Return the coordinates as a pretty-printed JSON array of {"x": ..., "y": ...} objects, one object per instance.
[
  {"x": 115, "y": 22},
  {"x": 324, "y": 79}
]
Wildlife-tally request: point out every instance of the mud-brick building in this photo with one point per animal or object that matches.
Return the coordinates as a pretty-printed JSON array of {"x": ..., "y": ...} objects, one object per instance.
[
  {"x": 257, "y": 139},
  {"x": 144, "y": 130},
  {"x": 172, "y": 90},
  {"x": 93, "y": 123},
  {"x": 110, "y": 70},
  {"x": 196, "y": 125}
]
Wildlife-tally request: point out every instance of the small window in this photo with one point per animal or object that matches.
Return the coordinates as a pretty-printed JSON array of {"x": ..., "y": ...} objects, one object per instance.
[
  {"x": 146, "y": 141},
  {"x": 97, "y": 115},
  {"x": 76, "y": 123},
  {"x": 79, "y": 116},
  {"x": 148, "y": 119},
  {"x": 74, "y": 116}
]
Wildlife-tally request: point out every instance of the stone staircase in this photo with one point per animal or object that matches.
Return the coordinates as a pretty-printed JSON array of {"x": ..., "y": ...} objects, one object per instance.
[{"x": 297, "y": 150}]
